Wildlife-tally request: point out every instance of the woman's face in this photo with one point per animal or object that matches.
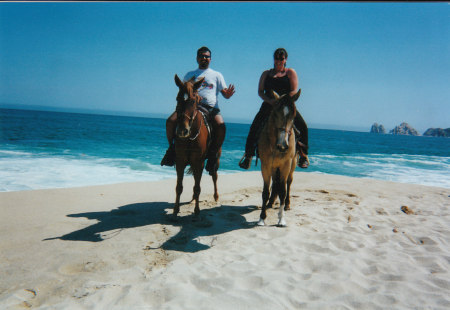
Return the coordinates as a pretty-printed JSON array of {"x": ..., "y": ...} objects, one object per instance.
[{"x": 280, "y": 62}]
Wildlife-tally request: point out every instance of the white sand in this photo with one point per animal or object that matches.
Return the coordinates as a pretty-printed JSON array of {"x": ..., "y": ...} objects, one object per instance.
[{"x": 348, "y": 245}]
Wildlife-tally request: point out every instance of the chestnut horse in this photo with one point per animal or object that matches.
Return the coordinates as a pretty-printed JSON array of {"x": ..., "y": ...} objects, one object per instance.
[
  {"x": 191, "y": 140},
  {"x": 277, "y": 151}
]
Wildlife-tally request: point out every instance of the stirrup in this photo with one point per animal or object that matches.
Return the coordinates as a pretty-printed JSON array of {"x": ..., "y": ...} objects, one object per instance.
[{"x": 245, "y": 162}]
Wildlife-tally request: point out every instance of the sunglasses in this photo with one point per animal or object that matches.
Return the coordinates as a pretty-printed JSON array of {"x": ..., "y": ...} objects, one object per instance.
[
  {"x": 204, "y": 56},
  {"x": 280, "y": 58}
]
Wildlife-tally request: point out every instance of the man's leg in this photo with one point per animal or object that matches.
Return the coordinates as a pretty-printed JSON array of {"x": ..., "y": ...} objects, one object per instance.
[
  {"x": 219, "y": 130},
  {"x": 171, "y": 124}
]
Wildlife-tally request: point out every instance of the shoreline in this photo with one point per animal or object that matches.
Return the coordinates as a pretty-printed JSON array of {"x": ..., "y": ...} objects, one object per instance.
[
  {"x": 348, "y": 244},
  {"x": 227, "y": 173}
]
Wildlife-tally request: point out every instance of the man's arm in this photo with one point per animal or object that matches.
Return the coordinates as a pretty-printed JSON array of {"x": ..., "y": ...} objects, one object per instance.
[{"x": 228, "y": 92}]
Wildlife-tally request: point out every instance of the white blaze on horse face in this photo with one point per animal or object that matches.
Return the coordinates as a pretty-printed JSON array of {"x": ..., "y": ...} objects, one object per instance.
[
  {"x": 286, "y": 138},
  {"x": 186, "y": 97},
  {"x": 286, "y": 111},
  {"x": 286, "y": 114}
]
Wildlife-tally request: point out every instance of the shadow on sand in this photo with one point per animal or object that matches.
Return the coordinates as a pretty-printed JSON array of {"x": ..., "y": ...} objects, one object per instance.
[{"x": 211, "y": 222}]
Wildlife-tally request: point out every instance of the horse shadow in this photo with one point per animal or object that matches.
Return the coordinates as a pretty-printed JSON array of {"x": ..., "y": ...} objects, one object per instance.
[{"x": 211, "y": 222}]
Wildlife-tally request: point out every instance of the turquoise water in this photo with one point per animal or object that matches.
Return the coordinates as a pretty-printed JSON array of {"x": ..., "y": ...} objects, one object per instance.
[{"x": 41, "y": 150}]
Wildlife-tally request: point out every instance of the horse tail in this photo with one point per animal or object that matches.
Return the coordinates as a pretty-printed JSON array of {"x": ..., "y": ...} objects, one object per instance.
[{"x": 189, "y": 171}]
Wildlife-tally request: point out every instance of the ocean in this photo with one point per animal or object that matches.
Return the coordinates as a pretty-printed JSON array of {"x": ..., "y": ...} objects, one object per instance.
[{"x": 42, "y": 150}]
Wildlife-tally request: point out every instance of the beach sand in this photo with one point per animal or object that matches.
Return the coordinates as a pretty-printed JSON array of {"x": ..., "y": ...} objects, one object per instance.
[{"x": 350, "y": 244}]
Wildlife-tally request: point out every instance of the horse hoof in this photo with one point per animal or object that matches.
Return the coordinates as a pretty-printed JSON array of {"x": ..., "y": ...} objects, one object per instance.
[
  {"x": 261, "y": 222},
  {"x": 287, "y": 208},
  {"x": 282, "y": 223}
]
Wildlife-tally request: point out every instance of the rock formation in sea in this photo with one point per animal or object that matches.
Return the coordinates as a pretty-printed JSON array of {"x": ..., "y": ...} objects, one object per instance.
[
  {"x": 437, "y": 132},
  {"x": 377, "y": 128},
  {"x": 404, "y": 129}
]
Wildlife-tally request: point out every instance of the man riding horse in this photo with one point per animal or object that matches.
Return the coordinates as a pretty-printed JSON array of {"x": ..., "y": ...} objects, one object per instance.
[{"x": 209, "y": 90}]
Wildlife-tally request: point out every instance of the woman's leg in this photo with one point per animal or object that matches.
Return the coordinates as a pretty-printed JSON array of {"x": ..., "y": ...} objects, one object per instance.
[
  {"x": 252, "y": 138},
  {"x": 300, "y": 124}
]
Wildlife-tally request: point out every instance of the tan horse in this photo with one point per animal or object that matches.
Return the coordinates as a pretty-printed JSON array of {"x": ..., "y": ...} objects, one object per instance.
[
  {"x": 278, "y": 156},
  {"x": 191, "y": 140}
]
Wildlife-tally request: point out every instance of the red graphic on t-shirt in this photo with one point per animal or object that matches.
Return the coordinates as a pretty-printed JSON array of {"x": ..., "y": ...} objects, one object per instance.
[{"x": 206, "y": 85}]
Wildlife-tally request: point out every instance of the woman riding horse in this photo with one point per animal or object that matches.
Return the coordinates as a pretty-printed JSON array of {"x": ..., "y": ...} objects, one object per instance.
[{"x": 282, "y": 80}]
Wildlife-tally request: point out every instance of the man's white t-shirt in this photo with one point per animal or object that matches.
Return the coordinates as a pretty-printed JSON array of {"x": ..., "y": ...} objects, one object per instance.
[{"x": 211, "y": 86}]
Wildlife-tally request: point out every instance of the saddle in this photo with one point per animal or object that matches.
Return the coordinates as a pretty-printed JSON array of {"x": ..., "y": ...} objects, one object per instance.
[{"x": 208, "y": 121}]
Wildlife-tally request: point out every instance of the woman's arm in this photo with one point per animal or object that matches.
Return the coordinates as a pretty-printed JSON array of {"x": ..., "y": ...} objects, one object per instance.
[
  {"x": 293, "y": 80},
  {"x": 261, "y": 93}
]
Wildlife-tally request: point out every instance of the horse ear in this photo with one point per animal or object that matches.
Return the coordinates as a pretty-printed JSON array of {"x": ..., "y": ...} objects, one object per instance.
[
  {"x": 178, "y": 81},
  {"x": 297, "y": 95},
  {"x": 275, "y": 95},
  {"x": 198, "y": 83}
]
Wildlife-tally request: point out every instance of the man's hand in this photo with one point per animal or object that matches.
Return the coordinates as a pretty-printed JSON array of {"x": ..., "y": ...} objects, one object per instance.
[{"x": 228, "y": 92}]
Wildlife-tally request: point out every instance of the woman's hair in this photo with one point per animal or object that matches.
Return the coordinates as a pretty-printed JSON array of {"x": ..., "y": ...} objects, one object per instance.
[{"x": 280, "y": 52}]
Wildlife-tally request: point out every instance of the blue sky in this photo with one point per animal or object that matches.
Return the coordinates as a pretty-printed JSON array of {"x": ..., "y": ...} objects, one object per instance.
[{"x": 358, "y": 63}]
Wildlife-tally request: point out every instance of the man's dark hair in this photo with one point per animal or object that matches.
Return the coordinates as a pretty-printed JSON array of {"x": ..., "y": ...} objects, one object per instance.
[
  {"x": 202, "y": 50},
  {"x": 280, "y": 52}
]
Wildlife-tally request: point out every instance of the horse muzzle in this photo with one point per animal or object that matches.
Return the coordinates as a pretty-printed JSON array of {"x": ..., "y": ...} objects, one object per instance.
[
  {"x": 182, "y": 132},
  {"x": 282, "y": 143},
  {"x": 282, "y": 147}
]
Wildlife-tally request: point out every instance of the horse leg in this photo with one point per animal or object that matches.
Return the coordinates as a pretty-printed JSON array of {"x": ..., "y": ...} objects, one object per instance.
[
  {"x": 197, "y": 178},
  {"x": 273, "y": 195},
  {"x": 214, "y": 176},
  {"x": 287, "y": 202},
  {"x": 216, "y": 194},
  {"x": 265, "y": 196},
  {"x": 282, "y": 195},
  {"x": 179, "y": 189}
]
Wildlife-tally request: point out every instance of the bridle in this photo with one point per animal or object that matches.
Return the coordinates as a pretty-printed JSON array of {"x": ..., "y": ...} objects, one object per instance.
[
  {"x": 285, "y": 129},
  {"x": 192, "y": 117}
]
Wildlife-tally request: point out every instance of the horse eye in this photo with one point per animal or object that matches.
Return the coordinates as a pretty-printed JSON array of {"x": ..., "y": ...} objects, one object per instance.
[{"x": 186, "y": 97}]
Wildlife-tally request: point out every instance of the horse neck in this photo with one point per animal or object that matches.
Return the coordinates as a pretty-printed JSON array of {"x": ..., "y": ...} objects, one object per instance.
[{"x": 198, "y": 125}]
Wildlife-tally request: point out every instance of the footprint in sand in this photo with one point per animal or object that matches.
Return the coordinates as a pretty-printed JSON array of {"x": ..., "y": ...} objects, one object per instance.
[{"x": 74, "y": 269}]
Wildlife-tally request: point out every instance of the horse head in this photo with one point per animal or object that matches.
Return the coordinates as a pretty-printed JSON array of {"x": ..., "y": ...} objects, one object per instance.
[
  {"x": 282, "y": 116},
  {"x": 187, "y": 102}
]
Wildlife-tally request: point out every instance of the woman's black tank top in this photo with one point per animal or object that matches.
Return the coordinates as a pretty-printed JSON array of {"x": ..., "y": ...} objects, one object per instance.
[{"x": 280, "y": 85}]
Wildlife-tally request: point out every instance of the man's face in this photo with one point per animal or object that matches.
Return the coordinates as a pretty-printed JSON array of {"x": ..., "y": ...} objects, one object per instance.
[{"x": 203, "y": 60}]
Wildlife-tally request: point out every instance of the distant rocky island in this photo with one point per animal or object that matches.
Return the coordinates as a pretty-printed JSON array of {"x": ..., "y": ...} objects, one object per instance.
[
  {"x": 406, "y": 129},
  {"x": 377, "y": 128},
  {"x": 437, "y": 132}
]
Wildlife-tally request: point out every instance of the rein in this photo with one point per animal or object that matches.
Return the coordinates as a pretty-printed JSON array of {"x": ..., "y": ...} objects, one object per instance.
[
  {"x": 199, "y": 128},
  {"x": 192, "y": 118}
]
